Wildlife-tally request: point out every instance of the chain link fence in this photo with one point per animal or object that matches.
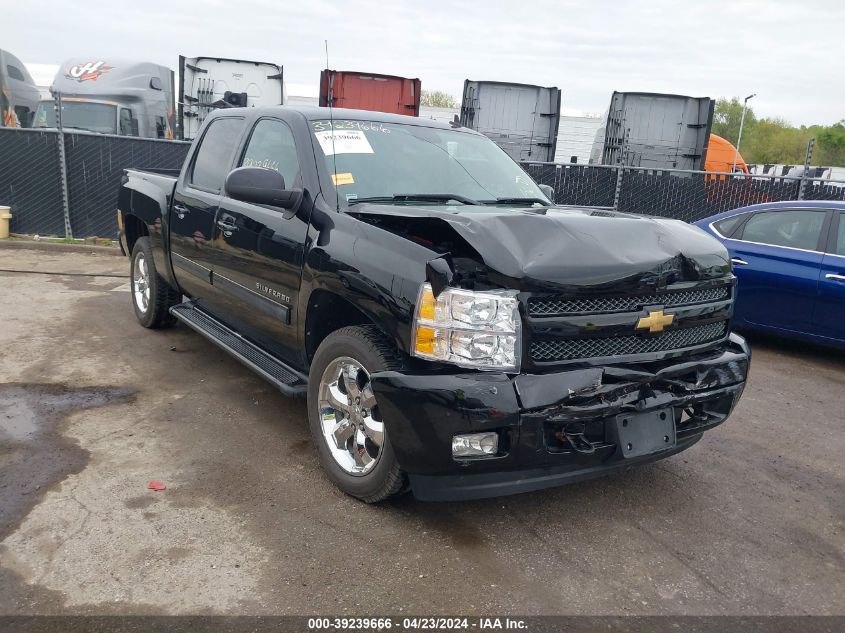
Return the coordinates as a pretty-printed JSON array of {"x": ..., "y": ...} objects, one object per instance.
[
  {"x": 680, "y": 194},
  {"x": 95, "y": 165},
  {"x": 30, "y": 180},
  {"x": 33, "y": 174}
]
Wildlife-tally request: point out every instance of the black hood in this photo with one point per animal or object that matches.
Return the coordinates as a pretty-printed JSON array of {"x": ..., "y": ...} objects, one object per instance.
[{"x": 563, "y": 247}]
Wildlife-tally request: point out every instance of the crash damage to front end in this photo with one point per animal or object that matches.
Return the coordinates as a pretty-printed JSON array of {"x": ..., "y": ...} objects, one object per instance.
[
  {"x": 555, "y": 428},
  {"x": 626, "y": 350}
]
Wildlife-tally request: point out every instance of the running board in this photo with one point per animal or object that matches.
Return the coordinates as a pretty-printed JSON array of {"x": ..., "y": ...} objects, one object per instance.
[{"x": 289, "y": 381}]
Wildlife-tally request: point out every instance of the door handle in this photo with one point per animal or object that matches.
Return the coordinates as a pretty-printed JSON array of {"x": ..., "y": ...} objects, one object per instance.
[
  {"x": 181, "y": 210},
  {"x": 833, "y": 277},
  {"x": 226, "y": 227},
  {"x": 738, "y": 261}
]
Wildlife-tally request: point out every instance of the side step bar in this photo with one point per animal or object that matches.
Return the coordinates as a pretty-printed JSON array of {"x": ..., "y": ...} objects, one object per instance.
[{"x": 289, "y": 381}]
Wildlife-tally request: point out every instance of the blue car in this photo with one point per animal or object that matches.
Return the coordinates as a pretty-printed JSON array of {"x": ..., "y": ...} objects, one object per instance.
[{"x": 789, "y": 258}]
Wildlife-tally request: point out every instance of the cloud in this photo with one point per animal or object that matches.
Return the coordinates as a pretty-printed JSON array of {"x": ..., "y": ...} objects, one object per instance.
[{"x": 786, "y": 52}]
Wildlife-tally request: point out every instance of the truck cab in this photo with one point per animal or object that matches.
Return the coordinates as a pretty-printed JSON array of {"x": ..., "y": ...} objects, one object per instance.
[
  {"x": 112, "y": 97},
  {"x": 91, "y": 115},
  {"x": 453, "y": 331},
  {"x": 18, "y": 93}
]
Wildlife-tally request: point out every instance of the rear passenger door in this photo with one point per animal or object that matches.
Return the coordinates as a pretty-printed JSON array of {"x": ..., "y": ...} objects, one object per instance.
[
  {"x": 195, "y": 203},
  {"x": 830, "y": 308},
  {"x": 776, "y": 258},
  {"x": 258, "y": 250}
]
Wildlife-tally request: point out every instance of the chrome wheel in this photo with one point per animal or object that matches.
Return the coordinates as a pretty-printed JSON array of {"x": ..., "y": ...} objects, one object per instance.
[
  {"x": 349, "y": 416},
  {"x": 141, "y": 283}
]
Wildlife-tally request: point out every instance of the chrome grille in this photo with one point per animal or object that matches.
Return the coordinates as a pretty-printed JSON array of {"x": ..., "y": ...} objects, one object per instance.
[
  {"x": 592, "y": 305},
  {"x": 545, "y": 351}
]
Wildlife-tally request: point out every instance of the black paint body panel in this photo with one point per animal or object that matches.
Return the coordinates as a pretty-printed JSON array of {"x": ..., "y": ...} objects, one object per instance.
[
  {"x": 423, "y": 412},
  {"x": 263, "y": 280}
]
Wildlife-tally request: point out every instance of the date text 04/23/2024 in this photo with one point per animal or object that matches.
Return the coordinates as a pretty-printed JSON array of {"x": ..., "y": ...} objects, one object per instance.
[{"x": 418, "y": 623}]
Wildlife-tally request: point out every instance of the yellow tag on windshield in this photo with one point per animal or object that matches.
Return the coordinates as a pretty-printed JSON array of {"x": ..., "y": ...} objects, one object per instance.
[{"x": 343, "y": 179}]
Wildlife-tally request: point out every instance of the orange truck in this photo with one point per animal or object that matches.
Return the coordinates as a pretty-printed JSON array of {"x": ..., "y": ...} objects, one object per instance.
[{"x": 720, "y": 156}]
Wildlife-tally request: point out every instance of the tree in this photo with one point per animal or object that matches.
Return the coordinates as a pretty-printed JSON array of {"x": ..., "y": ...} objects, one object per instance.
[
  {"x": 726, "y": 119},
  {"x": 774, "y": 140},
  {"x": 437, "y": 99},
  {"x": 830, "y": 145}
]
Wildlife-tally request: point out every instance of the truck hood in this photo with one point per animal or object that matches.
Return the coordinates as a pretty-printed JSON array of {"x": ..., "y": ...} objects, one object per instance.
[{"x": 562, "y": 247}]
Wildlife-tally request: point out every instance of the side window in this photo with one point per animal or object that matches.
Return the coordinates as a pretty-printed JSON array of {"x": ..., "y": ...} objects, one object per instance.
[
  {"x": 24, "y": 116},
  {"x": 214, "y": 154},
  {"x": 728, "y": 225},
  {"x": 14, "y": 72},
  {"x": 271, "y": 146},
  {"x": 796, "y": 229},
  {"x": 839, "y": 246},
  {"x": 125, "y": 122}
]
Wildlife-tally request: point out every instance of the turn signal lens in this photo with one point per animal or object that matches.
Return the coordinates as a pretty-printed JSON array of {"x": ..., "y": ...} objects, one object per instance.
[
  {"x": 424, "y": 343},
  {"x": 427, "y": 304}
]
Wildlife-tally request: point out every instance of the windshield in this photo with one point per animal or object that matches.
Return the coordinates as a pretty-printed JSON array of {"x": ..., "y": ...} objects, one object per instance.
[
  {"x": 398, "y": 163},
  {"x": 83, "y": 115}
]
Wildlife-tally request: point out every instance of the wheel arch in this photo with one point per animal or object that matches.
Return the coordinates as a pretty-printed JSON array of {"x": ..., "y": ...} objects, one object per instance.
[
  {"x": 329, "y": 311},
  {"x": 133, "y": 229}
]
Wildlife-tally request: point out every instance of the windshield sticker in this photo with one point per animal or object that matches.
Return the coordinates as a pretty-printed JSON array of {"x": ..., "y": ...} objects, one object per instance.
[
  {"x": 346, "y": 142},
  {"x": 343, "y": 179},
  {"x": 364, "y": 126}
]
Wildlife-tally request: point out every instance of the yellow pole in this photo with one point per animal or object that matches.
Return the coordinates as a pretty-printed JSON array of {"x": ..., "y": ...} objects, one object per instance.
[{"x": 5, "y": 216}]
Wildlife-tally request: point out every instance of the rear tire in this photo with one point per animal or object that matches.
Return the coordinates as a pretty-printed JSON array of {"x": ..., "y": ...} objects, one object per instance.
[
  {"x": 351, "y": 439},
  {"x": 152, "y": 296}
]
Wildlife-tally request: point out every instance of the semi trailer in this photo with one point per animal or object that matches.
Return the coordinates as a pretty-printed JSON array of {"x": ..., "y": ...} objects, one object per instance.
[
  {"x": 522, "y": 119},
  {"x": 659, "y": 131},
  {"x": 370, "y": 91},
  {"x": 209, "y": 83}
]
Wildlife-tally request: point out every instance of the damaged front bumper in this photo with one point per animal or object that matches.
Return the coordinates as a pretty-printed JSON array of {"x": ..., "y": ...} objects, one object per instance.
[{"x": 553, "y": 428}]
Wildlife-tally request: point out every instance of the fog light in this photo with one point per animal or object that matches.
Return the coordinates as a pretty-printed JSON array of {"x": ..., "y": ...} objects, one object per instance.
[{"x": 475, "y": 445}]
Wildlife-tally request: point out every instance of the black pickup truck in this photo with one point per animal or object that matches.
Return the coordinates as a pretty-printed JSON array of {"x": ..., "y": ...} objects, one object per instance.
[{"x": 454, "y": 332}]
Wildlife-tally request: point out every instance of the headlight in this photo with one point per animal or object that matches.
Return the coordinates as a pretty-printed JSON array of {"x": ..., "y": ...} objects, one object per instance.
[{"x": 466, "y": 328}]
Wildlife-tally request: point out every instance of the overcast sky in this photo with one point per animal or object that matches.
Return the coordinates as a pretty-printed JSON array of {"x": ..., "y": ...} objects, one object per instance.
[{"x": 790, "y": 53}]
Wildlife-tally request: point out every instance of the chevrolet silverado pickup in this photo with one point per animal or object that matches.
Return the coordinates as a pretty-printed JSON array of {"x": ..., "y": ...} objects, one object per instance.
[{"x": 453, "y": 331}]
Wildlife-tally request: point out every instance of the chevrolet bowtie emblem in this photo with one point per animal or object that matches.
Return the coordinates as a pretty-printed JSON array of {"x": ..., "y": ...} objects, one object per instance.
[{"x": 655, "y": 321}]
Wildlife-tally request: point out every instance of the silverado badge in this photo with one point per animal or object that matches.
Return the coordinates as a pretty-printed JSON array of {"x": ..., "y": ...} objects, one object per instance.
[{"x": 655, "y": 321}]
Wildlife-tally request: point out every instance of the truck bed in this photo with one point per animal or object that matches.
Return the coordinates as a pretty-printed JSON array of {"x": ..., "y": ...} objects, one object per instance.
[{"x": 164, "y": 179}]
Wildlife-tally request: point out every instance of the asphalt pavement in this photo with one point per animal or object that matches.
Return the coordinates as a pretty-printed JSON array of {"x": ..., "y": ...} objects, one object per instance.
[{"x": 93, "y": 407}]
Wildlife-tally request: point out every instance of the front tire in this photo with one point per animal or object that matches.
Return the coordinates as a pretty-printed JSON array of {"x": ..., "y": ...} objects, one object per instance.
[
  {"x": 344, "y": 417},
  {"x": 152, "y": 296}
]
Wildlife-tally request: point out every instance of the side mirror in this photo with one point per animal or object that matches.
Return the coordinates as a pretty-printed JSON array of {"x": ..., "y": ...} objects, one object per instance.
[
  {"x": 548, "y": 192},
  {"x": 261, "y": 186}
]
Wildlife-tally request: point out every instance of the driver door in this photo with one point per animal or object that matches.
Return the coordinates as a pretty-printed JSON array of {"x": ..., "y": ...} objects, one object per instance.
[{"x": 257, "y": 251}]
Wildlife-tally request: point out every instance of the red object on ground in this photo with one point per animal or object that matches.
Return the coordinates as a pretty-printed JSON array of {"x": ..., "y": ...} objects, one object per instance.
[{"x": 156, "y": 485}]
